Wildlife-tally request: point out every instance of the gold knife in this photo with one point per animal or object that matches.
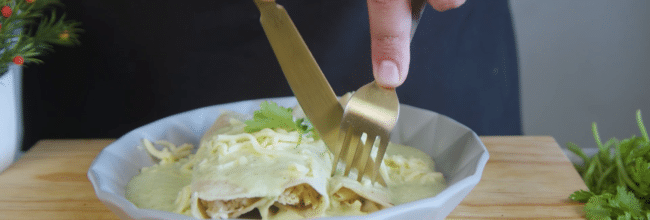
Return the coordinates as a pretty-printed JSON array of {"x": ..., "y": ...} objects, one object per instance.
[{"x": 309, "y": 85}]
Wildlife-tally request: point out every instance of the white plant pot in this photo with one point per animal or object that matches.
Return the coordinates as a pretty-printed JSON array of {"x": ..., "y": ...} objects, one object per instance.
[{"x": 11, "y": 124}]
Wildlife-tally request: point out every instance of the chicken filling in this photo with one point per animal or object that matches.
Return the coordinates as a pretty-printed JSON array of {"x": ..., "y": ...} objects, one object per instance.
[
  {"x": 227, "y": 208},
  {"x": 347, "y": 197},
  {"x": 300, "y": 197}
]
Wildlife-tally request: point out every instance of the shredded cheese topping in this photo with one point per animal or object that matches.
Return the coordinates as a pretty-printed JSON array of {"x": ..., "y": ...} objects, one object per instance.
[{"x": 281, "y": 174}]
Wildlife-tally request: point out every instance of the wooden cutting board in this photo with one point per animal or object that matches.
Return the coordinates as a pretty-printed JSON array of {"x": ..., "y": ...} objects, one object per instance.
[{"x": 525, "y": 178}]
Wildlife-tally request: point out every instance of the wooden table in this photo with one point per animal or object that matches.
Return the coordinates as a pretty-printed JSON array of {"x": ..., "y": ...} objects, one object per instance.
[{"x": 525, "y": 178}]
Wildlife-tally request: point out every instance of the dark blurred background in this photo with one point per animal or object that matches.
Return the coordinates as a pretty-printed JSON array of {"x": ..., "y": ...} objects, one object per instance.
[{"x": 140, "y": 61}]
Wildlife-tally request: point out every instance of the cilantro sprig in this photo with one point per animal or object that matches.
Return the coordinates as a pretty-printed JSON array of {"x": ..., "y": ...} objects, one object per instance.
[
  {"x": 271, "y": 115},
  {"x": 618, "y": 177}
]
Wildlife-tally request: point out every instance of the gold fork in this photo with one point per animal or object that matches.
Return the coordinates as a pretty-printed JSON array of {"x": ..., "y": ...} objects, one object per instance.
[{"x": 372, "y": 110}]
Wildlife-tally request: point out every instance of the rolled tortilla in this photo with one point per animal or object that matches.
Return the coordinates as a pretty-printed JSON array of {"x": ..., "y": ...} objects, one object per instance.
[
  {"x": 350, "y": 196},
  {"x": 306, "y": 197},
  {"x": 225, "y": 124},
  {"x": 234, "y": 173}
]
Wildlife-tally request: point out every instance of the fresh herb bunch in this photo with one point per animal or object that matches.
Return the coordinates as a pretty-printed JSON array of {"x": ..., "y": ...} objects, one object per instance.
[
  {"x": 25, "y": 32},
  {"x": 618, "y": 177},
  {"x": 271, "y": 115}
]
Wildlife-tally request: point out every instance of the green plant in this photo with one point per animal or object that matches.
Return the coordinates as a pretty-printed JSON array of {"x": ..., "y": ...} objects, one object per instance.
[
  {"x": 618, "y": 177},
  {"x": 26, "y": 32}
]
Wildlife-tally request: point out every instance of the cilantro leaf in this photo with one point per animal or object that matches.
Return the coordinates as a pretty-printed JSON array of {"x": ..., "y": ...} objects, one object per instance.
[
  {"x": 598, "y": 208},
  {"x": 271, "y": 115},
  {"x": 623, "y": 205},
  {"x": 581, "y": 196},
  {"x": 626, "y": 202},
  {"x": 312, "y": 130}
]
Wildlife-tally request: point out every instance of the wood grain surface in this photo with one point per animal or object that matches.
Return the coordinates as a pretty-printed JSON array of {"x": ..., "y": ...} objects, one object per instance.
[{"x": 525, "y": 178}]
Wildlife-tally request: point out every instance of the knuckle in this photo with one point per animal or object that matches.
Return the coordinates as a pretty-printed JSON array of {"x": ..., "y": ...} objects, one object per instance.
[
  {"x": 388, "y": 41},
  {"x": 389, "y": 45},
  {"x": 385, "y": 2}
]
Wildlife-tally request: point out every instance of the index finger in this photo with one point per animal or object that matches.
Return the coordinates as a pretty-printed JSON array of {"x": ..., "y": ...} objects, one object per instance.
[{"x": 390, "y": 27}]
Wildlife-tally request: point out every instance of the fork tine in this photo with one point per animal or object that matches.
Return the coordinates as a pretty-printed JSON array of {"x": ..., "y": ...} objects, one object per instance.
[
  {"x": 346, "y": 135},
  {"x": 356, "y": 159},
  {"x": 383, "y": 144},
  {"x": 365, "y": 160},
  {"x": 349, "y": 158}
]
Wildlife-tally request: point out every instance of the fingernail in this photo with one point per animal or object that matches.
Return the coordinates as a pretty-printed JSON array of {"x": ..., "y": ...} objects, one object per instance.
[{"x": 388, "y": 74}]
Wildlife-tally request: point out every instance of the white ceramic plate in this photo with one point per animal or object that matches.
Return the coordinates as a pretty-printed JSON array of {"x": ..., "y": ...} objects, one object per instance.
[{"x": 457, "y": 151}]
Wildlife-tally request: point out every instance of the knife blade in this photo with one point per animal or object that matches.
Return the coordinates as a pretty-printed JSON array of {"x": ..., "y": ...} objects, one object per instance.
[{"x": 307, "y": 81}]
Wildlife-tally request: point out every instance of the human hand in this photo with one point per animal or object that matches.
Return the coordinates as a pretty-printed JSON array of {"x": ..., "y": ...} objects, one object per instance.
[{"x": 390, "y": 28}]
